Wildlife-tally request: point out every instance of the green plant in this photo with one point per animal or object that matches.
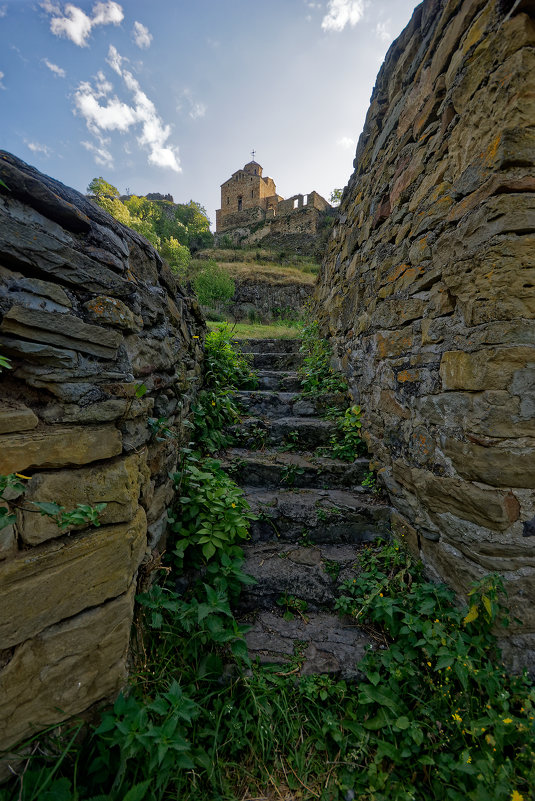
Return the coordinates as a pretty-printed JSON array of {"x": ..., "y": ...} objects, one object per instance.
[
  {"x": 215, "y": 411},
  {"x": 81, "y": 515},
  {"x": 211, "y": 511},
  {"x": 332, "y": 569},
  {"x": 159, "y": 428},
  {"x": 346, "y": 443},
  {"x": 370, "y": 482},
  {"x": 293, "y": 606},
  {"x": 317, "y": 375},
  {"x": 289, "y": 473},
  {"x": 5, "y": 363},
  {"x": 12, "y": 487},
  {"x": 291, "y": 441}
]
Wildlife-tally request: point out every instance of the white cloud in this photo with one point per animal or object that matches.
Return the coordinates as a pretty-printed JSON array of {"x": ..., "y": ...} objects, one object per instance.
[
  {"x": 101, "y": 154},
  {"x": 76, "y": 25},
  {"x": 3, "y": 11},
  {"x": 141, "y": 35},
  {"x": 37, "y": 147},
  {"x": 2, "y": 74},
  {"x": 58, "y": 71},
  {"x": 346, "y": 142},
  {"x": 382, "y": 32},
  {"x": 195, "y": 108},
  {"x": 341, "y": 13},
  {"x": 115, "y": 115},
  {"x": 198, "y": 110}
]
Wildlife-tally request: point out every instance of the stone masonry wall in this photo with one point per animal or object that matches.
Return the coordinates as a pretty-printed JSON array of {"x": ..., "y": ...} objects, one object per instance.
[
  {"x": 88, "y": 312},
  {"x": 428, "y": 292}
]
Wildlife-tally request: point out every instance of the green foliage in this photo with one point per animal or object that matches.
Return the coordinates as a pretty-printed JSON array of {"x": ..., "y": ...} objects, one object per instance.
[
  {"x": 215, "y": 411},
  {"x": 82, "y": 515},
  {"x": 213, "y": 284},
  {"x": 101, "y": 188},
  {"x": 289, "y": 474},
  {"x": 346, "y": 443},
  {"x": 317, "y": 375},
  {"x": 5, "y": 363},
  {"x": 336, "y": 196},
  {"x": 293, "y": 606},
  {"x": 432, "y": 717},
  {"x": 172, "y": 230},
  {"x": 211, "y": 511},
  {"x": 12, "y": 487},
  {"x": 369, "y": 482},
  {"x": 176, "y": 255}
]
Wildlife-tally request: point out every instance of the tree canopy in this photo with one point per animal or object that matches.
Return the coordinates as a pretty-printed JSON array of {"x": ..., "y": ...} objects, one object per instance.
[
  {"x": 101, "y": 188},
  {"x": 174, "y": 229}
]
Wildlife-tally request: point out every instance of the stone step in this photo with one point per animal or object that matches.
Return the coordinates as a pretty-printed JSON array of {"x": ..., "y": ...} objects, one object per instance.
[
  {"x": 279, "y": 381},
  {"x": 269, "y": 345},
  {"x": 303, "y": 433},
  {"x": 323, "y": 644},
  {"x": 317, "y": 516},
  {"x": 276, "y": 361},
  {"x": 271, "y": 469},
  {"x": 296, "y": 579},
  {"x": 267, "y": 403}
]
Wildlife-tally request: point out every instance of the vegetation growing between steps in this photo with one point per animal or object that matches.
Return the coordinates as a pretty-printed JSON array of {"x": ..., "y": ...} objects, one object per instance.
[
  {"x": 434, "y": 716},
  {"x": 318, "y": 378}
]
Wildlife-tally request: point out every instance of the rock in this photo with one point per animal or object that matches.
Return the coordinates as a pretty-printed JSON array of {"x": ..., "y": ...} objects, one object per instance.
[
  {"x": 58, "y": 446},
  {"x": 427, "y": 285},
  {"x": 15, "y": 416},
  {"x": 111, "y": 311},
  {"x": 86, "y": 305},
  {"x": 61, "y": 329},
  {"x": 116, "y": 483},
  {"x": 65, "y": 669},
  {"x": 67, "y": 576}
]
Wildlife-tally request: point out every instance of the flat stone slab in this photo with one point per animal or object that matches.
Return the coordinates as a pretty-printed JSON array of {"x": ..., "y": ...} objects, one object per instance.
[
  {"x": 269, "y": 345},
  {"x": 285, "y": 381},
  {"x": 326, "y": 643},
  {"x": 310, "y": 573},
  {"x": 271, "y": 469},
  {"x": 277, "y": 361},
  {"x": 264, "y": 402},
  {"x": 320, "y": 516}
]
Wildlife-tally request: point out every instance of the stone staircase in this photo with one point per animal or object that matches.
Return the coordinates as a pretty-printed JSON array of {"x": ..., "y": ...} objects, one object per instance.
[{"x": 313, "y": 517}]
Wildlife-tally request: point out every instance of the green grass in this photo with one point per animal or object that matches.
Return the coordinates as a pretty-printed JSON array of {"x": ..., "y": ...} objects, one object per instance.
[{"x": 258, "y": 331}]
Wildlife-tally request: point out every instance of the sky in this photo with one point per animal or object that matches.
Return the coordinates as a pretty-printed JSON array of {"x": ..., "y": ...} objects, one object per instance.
[{"x": 173, "y": 96}]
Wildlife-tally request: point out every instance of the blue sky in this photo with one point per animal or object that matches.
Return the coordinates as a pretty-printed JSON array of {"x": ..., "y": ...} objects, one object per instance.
[{"x": 172, "y": 95}]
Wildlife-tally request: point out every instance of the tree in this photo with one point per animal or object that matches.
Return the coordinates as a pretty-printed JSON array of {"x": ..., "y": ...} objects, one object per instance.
[
  {"x": 336, "y": 197},
  {"x": 101, "y": 188}
]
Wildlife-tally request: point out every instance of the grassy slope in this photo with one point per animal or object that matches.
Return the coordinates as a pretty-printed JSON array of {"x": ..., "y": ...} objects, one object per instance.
[{"x": 257, "y": 331}]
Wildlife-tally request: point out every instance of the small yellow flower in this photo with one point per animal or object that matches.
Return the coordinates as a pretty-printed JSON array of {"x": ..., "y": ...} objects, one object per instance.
[
  {"x": 195, "y": 337},
  {"x": 381, "y": 594},
  {"x": 469, "y": 759},
  {"x": 19, "y": 475},
  {"x": 448, "y": 668},
  {"x": 457, "y": 717},
  {"x": 213, "y": 403},
  {"x": 233, "y": 505},
  {"x": 517, "y": 796},
  {"x": 429, "y": 663},
  {"x": 508, "y": 720}
]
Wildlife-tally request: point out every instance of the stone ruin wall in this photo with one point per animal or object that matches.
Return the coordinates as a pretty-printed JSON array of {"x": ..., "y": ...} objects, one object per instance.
[
  {"x": 427, "y": 289},
  {"x": 88, "y": 313}
]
